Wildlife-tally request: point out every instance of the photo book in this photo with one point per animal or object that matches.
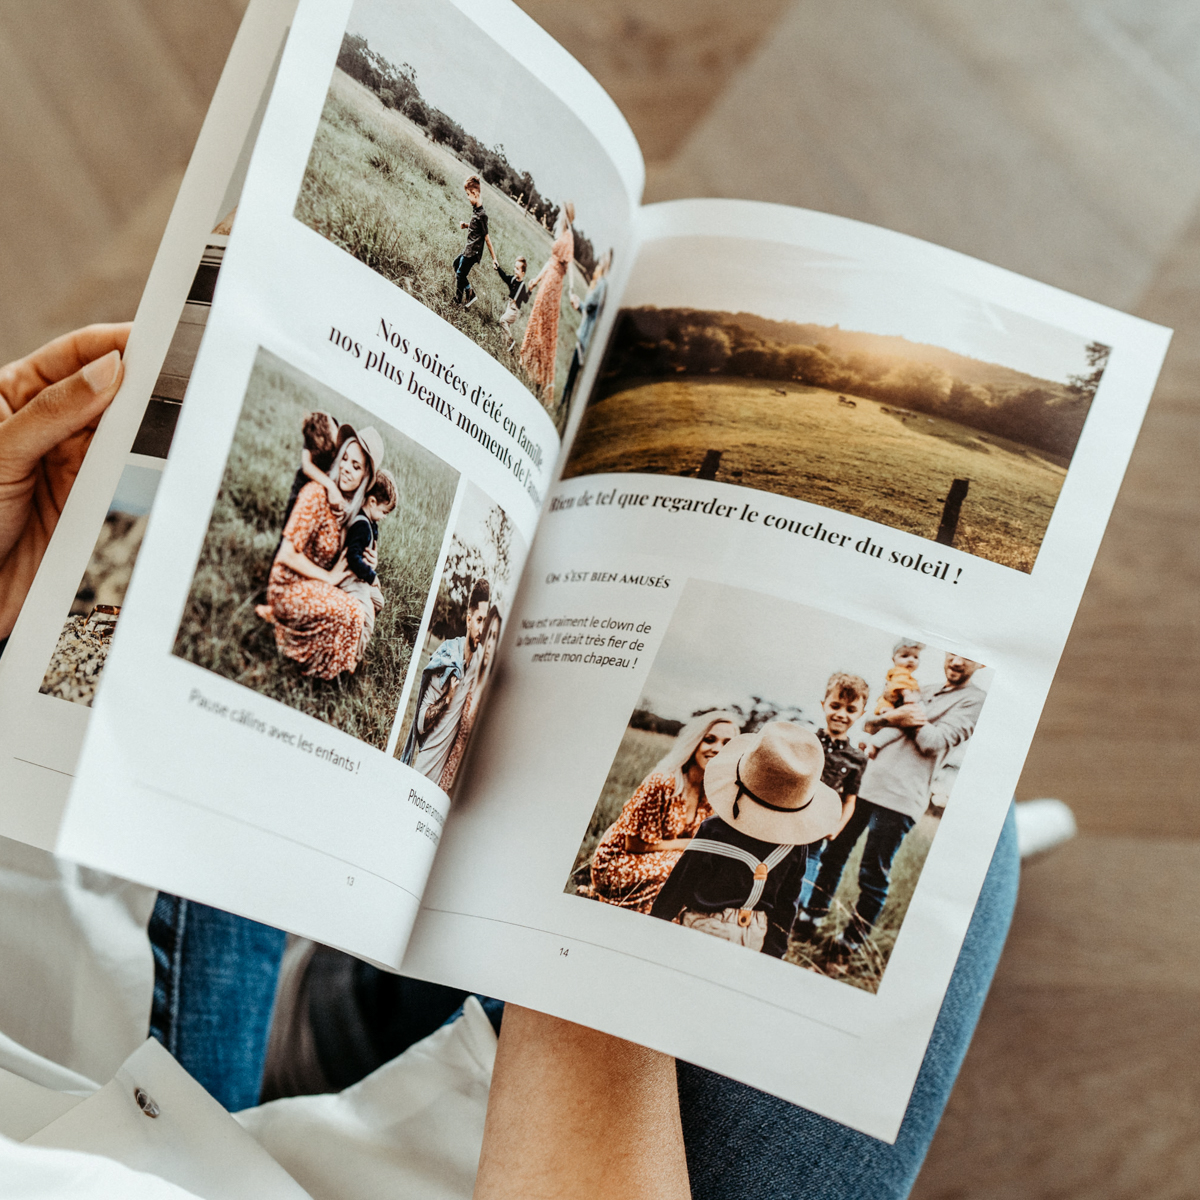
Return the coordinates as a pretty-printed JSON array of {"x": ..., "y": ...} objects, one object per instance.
[{"x": 638, "y": 613}]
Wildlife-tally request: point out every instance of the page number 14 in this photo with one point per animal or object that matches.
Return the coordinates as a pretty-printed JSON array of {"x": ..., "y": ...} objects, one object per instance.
[{"x": 563, "y": 952}]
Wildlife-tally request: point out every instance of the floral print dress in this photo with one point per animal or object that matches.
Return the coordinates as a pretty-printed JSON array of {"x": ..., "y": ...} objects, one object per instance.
[
  {"x": 539, "y": 347},
  {"x": 316, "y": 624},
  {"x": 656, "y": 812}
]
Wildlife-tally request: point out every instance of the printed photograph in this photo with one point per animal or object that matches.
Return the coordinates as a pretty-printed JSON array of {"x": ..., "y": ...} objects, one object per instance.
[
  {"x": 784, "y": 802},
  {"x": 78, "y": 659},
  {"x": 442, "y": 163},
  {"x": 320, "y": 554},
  {"x": 458, "y": 659},
  {"x": 819, "y": 378}
]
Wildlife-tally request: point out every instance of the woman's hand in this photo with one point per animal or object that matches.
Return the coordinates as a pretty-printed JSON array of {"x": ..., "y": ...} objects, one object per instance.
[
  {"x": 339, "y": 572},
  {"x": 336, "y": 500},
  {"x": 371, "y": 556},
  {"x": 50, "y": 405}
]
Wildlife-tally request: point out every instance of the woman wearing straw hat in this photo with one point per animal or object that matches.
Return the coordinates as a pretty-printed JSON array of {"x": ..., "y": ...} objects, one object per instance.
[
  {"x": 739, "y": 879},
  {"x": 317, "y": 624},
  {"x": 639, "y": 849}
]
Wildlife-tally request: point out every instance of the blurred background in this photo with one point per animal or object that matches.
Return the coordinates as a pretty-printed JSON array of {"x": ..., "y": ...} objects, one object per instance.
[{"x": 1060, "y": 138}]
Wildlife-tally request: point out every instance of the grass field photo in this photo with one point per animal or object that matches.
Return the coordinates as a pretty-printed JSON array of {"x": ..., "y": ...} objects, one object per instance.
[
  {"x": 867, "y": 421},
  {"x": 708, "y": 663},
  {"x": 221, "y": 629},
  {"x": 385, "y": 176}
]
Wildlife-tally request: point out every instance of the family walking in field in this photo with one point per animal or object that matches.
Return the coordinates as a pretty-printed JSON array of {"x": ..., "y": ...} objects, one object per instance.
[
  {"x": 539, "y": 345},
  {"x": 746, "y": 836},
  {"x": 323, "y": 592},
  {"x": 451, "y": 689}
]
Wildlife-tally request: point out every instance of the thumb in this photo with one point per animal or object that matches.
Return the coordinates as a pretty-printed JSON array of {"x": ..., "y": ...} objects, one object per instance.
[{"x": 59, "y": 411}]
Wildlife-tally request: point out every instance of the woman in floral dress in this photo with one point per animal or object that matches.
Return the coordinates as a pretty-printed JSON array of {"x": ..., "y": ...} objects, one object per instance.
[
  {"x": 637, "y": 852},
  {"x": 539, "y": 347},
  {"x": 476, "y": 684},
  {"x": 316, "y": 623}
]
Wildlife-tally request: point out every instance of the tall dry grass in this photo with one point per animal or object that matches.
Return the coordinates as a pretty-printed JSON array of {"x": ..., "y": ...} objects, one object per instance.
[
  {"x": 640, "y": 750},
  {"x": 377, "y": 187},
  {"x": 220, "y": 629},
  {"x": 859, "y": 460}
]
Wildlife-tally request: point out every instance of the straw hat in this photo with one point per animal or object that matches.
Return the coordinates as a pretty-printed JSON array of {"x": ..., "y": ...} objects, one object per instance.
[
  {"x": 369, "y": 439},
  {"x": 768, "y": 785}
]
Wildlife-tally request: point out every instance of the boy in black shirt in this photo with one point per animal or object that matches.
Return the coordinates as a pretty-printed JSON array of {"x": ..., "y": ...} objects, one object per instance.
[
  {"x": 518, "y": 294},
  {"x": 477, "y": 238},
  {"x": 845, "y": 701},
  {"x": 362, "y": 537}
]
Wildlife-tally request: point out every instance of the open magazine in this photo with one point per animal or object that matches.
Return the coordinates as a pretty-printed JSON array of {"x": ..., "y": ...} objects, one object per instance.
[{"x": 714, "y": 557}]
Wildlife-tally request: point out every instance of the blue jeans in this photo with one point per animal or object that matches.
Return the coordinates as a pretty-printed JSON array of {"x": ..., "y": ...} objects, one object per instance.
[
  {"x": 214, "y": 990},
  {"x": 886, "y": 829},
  {"x": 741, "y": 1144}
]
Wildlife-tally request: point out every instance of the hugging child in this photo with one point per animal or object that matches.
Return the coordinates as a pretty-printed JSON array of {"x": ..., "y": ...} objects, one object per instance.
[
  {"x": 362, "y": 535},
  {"x": 739, "y": 878},
  {"x": 477, "y": 238},
  {"x": 518, "y": 294},
  {"x": 320, "y": 432}
]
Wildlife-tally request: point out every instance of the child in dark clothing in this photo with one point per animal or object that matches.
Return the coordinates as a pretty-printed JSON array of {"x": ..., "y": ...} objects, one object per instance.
[
  {"x": 477, "y": 238},
  {"x": 362, "y": 536},
  {"x": 518, "y": 294},
  {"x": 739, "y": 879},
  {"x": 320, "y": 432}
]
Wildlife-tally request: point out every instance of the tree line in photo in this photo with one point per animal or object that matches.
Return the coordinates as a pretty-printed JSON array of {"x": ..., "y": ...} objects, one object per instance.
[
  {"x": 397, "y": 89},
  {"x": 651, "y": 342}
]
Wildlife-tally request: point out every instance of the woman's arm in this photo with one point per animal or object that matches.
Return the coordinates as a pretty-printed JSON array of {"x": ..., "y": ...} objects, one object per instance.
[
  {"x": 303, "y": 565},
  {"x": 637, "y": 845},
  {"x": 574, "y": 1113}
]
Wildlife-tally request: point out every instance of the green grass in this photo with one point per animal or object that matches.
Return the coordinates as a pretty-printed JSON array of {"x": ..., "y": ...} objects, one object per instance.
[
  {"x": 637, "y": 754},
  {"x": 220, "y": 630},
  {"x": 377, "y": 187},
  {"x": 888, "y": 467}
]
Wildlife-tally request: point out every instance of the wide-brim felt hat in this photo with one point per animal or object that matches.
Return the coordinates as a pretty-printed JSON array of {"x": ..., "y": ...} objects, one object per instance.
[
  {"x": 369, "y": 439},
  {"x": 768, "y": 785}
]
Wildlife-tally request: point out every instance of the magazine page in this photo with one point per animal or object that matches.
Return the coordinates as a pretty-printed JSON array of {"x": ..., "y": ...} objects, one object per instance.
[
  {"x": 786, "y": 632},
  {"x": 417, "y": 271},
  {"x": 53, "y": 662}
]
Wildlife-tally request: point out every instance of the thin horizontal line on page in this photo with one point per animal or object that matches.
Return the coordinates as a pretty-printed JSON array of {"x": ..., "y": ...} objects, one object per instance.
[
  {"x": 283, "y": 837},
  {"x": 570, "y": 937}
]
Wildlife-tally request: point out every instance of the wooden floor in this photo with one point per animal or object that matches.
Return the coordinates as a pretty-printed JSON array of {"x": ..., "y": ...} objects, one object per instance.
[{"x": 1057, "y": 137}]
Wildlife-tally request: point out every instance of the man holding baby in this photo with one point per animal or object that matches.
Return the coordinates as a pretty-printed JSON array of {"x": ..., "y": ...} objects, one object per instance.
[{"x": 912, "y": 741}]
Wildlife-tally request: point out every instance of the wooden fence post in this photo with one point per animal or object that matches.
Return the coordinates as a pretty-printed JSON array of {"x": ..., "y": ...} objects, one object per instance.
[
  {"x": 708, "y": 468},
  {"x": 954, "y": 503}
]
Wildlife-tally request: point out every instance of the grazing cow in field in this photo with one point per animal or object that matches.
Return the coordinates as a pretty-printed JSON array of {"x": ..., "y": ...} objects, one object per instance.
[
  {"x": 847, "y": 403},
  {"x": 779, "y": 391}
]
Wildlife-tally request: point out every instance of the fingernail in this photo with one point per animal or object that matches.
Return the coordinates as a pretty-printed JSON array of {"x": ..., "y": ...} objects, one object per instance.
[{"x": 100, "y": 374}]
